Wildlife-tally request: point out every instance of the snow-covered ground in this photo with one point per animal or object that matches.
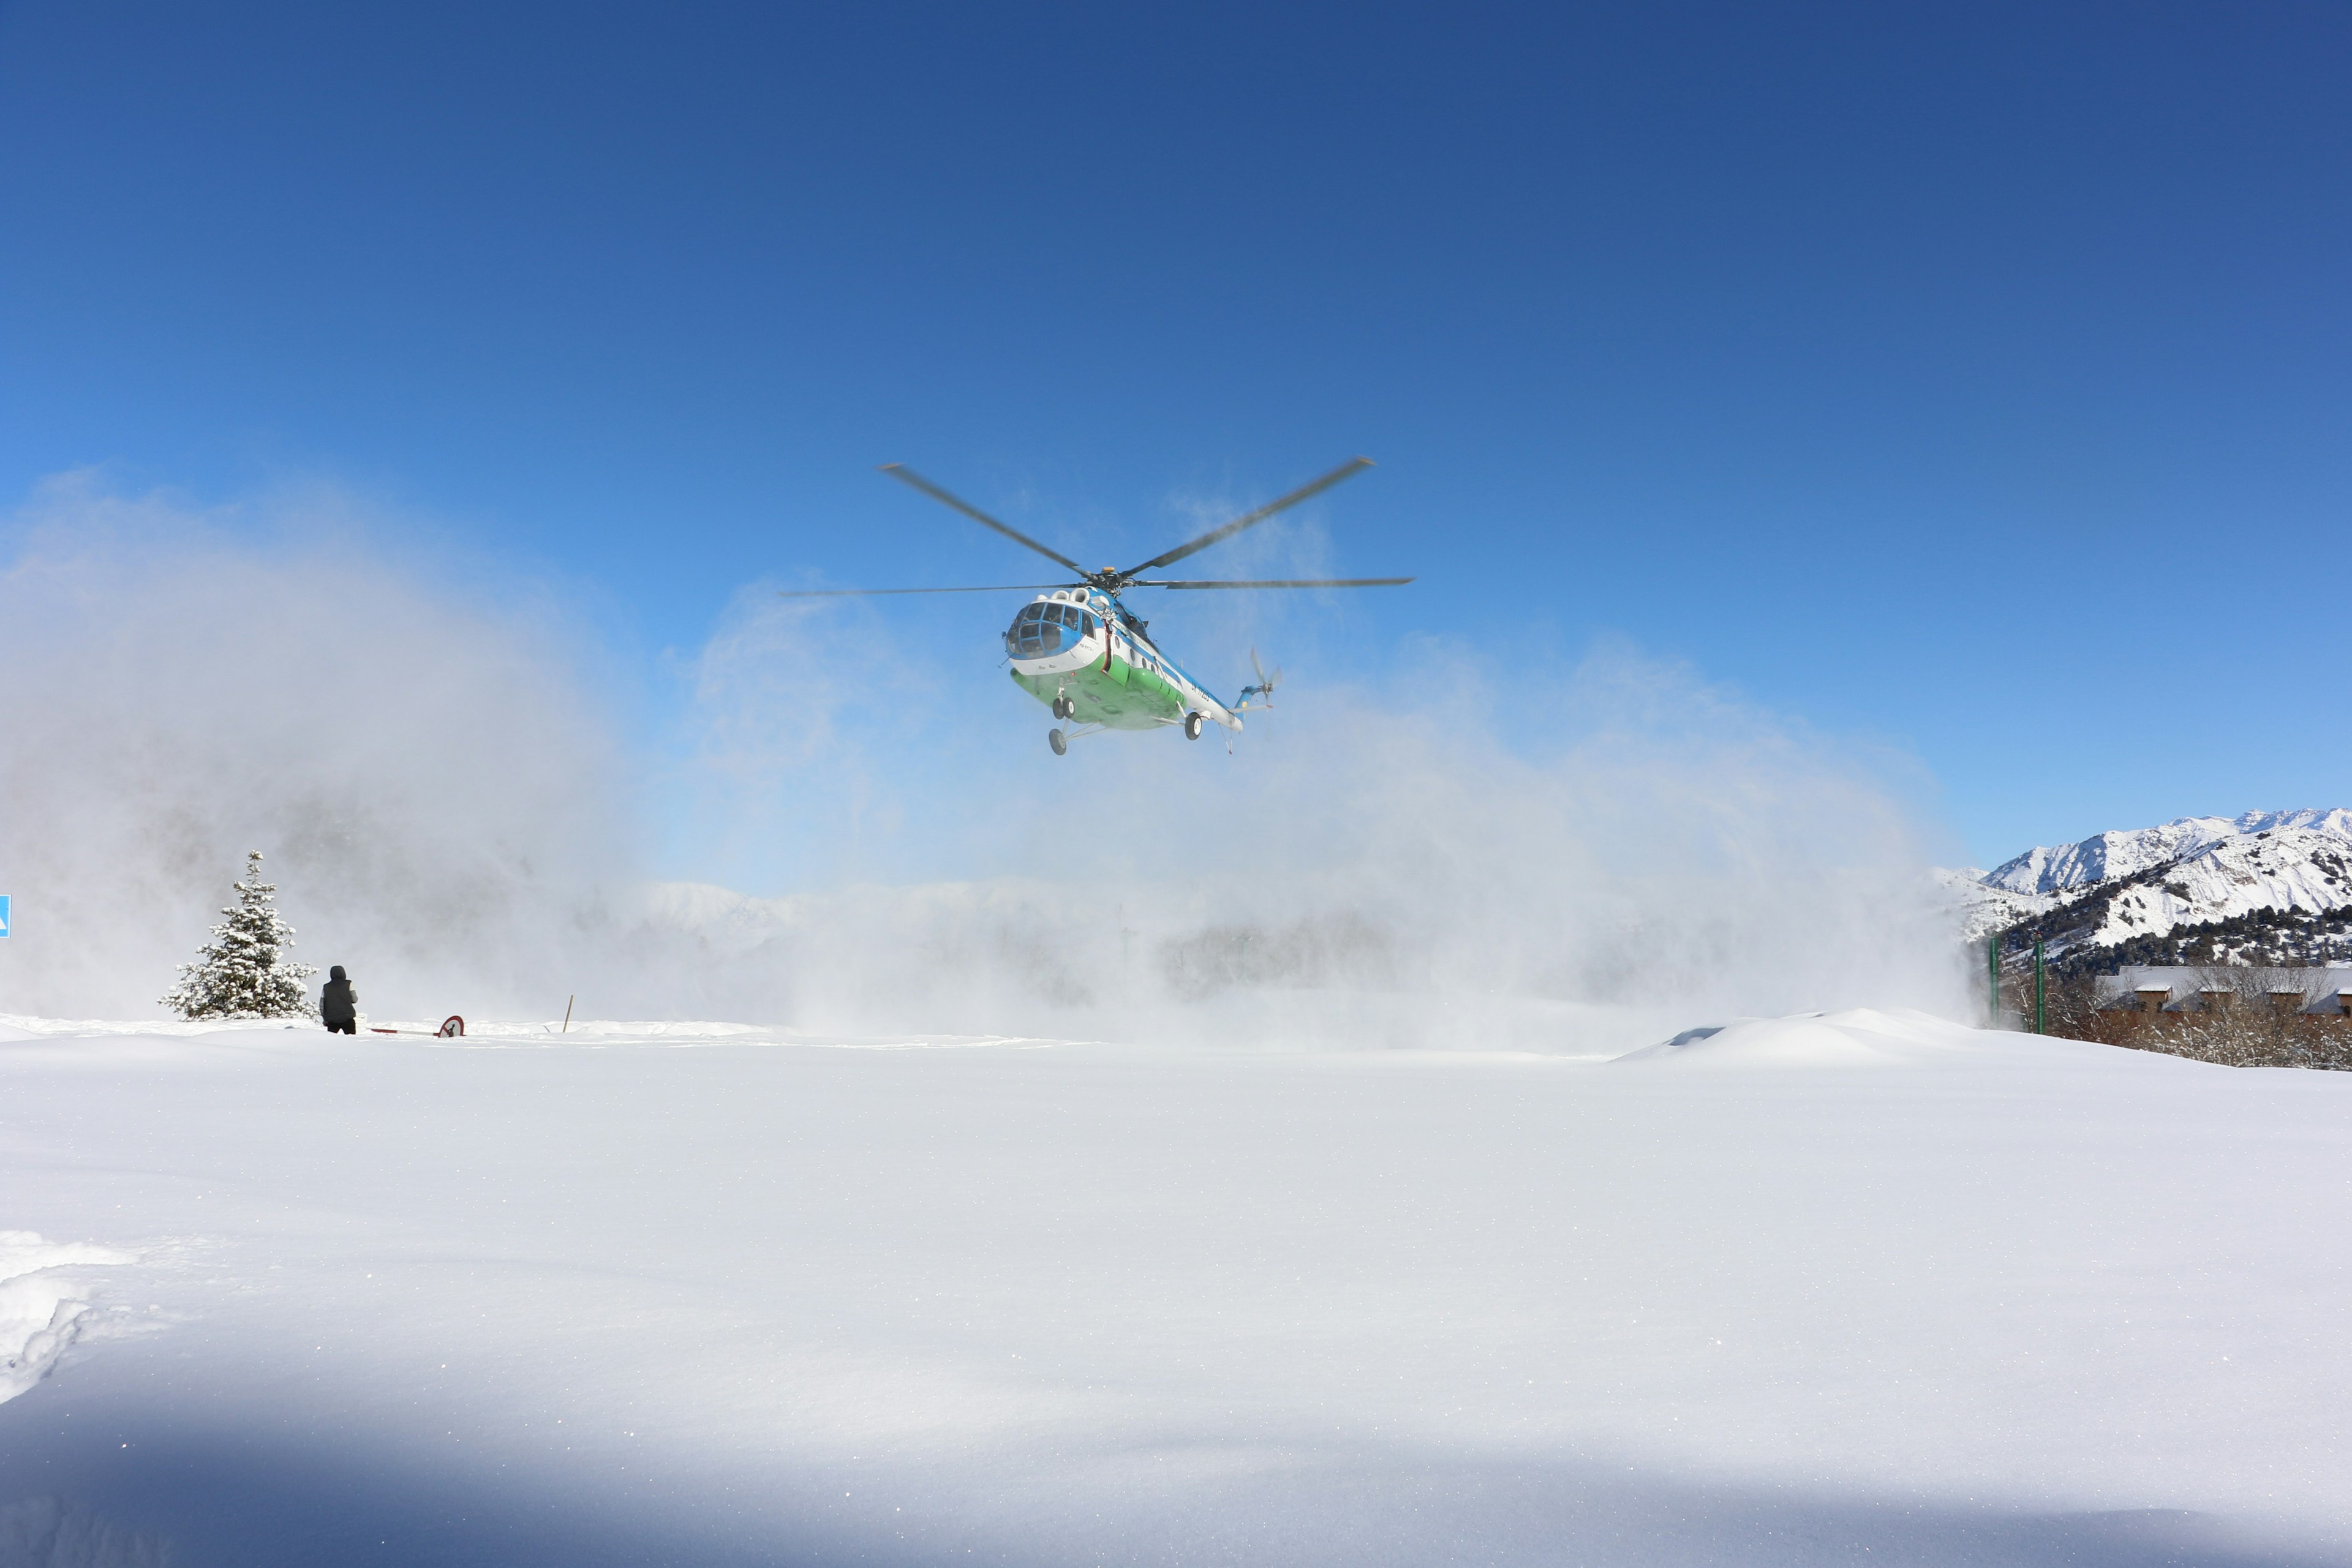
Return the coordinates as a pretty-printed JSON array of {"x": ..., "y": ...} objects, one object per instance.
[{"x": 1866, "y": 1287}]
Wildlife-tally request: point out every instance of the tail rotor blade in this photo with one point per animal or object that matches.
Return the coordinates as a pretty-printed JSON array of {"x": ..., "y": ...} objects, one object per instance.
[{"x": 1266, "y": 683}]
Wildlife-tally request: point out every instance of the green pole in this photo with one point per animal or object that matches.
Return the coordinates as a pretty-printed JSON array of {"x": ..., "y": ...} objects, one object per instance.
[
  {"x": 1992, "y": 977},
  {"x": 2038, "y": 1014}
]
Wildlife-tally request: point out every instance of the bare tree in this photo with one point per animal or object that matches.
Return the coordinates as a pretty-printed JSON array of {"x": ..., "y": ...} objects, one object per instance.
[
  {"x": 2243, "y": 1016},
  {"x": 2249, "y": 1015}
]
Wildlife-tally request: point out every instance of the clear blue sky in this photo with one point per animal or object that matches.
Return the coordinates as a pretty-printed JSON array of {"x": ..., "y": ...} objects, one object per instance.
[{"x": 1976, "y": 381}]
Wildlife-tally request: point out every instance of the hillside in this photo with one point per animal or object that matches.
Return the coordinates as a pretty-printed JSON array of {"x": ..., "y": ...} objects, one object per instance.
[
  {"x": 1982, "y": 908},
  {"x": 2271, "y": 887},
  {"x": 2105, "y": 857}
]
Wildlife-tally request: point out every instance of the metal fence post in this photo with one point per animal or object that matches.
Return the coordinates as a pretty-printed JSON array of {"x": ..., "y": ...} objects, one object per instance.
[{"x": 1992, "y": 979}]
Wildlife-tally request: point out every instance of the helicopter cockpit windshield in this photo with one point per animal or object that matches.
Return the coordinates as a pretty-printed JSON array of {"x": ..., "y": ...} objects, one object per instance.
[{"x": 1046, "y": 626}]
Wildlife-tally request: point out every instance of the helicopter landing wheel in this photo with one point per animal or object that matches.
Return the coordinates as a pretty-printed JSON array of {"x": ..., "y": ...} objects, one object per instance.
[
  {"x": 1191, "y": 726},
  {"x": 1064, "y": 707},
  {"x": 1059, "y": 741}
]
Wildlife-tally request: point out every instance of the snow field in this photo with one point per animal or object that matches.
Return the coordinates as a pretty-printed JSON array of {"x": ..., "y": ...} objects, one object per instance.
[
  {"x": 41, "y": 1307},
  {"x": 1861, "y": 1288}
]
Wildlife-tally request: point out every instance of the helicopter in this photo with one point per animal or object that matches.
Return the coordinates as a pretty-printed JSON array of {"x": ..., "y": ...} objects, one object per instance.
[{"x": 1079, "y": 650}]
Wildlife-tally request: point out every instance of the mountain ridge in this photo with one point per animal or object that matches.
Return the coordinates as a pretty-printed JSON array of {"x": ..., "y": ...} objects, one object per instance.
[
  {"x": 2261, "y": 887},
  {"x": 2053, "y": 869}
]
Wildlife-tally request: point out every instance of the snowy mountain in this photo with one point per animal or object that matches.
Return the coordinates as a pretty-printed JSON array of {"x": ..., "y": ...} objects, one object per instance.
[
  {"x": 2106, "y": 855},
  {"x": 2269, "y": 886},
  {"x": 1983, "y": 909}
]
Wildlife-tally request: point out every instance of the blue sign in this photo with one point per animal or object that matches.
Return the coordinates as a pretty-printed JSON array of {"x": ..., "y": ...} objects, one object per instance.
[{"x": 3, "y": 914}]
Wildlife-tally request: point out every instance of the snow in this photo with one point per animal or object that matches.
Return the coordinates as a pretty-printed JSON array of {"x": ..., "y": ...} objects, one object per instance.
[
  {"x": 2152, "y": 881},
  {"x": 1862, "y": 1037},
  {"x": 244, "y": 972},
  {"x": 2106, "y": 856},
  {"x": 1979, "y": 909},
  {"x": 1857, "y": 1287},
  {"x": 2281, "y": 869},
  {"x": 41, "y": 1308}
]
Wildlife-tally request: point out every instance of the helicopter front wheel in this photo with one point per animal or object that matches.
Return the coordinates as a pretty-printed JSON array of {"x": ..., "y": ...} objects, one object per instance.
[
  {"x": 1064, "y": 707},
  {"x": 1059, "y": 741},
  {"x": 1191, "y": 726}
]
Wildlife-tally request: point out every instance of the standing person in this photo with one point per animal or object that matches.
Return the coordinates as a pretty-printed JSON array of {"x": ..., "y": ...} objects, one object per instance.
[{"x": 338, "y": 1005}]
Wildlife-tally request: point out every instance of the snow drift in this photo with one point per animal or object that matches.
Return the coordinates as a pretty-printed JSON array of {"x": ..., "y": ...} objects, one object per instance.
[{"x": 42, "y": 1306}]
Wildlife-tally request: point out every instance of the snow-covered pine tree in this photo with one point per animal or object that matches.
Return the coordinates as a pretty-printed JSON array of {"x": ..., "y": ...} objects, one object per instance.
[{"x": 244, "y": 972}]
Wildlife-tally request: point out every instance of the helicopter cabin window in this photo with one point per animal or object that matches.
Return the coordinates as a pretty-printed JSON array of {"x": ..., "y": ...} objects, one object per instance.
[{"x": 1045, "y": 628}]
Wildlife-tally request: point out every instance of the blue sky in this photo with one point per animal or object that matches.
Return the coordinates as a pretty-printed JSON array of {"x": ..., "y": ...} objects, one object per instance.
[{"x": 1971, "y": 384}]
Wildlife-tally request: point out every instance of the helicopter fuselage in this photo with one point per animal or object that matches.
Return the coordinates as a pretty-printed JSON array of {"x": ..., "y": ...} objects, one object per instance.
[
  {"x": 1084, "y": 654},
  {"x": 1084, "y": 649}
]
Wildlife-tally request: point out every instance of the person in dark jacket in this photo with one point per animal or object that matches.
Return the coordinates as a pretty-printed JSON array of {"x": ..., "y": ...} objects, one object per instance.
[{"x": 338, "y": 1005}]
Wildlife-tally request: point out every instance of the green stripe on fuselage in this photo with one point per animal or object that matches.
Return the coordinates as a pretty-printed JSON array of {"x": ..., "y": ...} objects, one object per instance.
[{"x": 1125, "y": 697}]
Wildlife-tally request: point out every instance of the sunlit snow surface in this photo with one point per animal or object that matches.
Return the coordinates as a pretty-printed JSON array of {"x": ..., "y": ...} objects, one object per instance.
[{"x": 1860, "y": 1288}]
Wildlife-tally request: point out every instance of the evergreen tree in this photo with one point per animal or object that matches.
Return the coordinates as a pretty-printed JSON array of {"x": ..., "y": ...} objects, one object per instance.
[{"x": 244, "y": 972}]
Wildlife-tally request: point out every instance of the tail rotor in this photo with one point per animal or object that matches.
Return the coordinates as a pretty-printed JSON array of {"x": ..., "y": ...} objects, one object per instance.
[{"x": 1264, "y": 687}]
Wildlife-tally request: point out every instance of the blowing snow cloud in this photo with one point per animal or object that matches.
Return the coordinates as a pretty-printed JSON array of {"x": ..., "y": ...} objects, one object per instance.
[{"x": 447, "y": 807}]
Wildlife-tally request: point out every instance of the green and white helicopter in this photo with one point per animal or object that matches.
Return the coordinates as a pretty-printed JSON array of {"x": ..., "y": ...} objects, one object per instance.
[{"x": 1080, "y": 651}]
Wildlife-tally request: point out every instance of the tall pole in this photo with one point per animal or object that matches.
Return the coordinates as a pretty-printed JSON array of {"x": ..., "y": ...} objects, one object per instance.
[
  {"x": 1992, "y": 978},
  {"x": 2039, "y": 1016}
]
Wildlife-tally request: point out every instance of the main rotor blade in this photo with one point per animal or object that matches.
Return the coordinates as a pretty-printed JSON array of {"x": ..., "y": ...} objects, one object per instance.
[
  {"x": 1290, "y": 583},
  {"x": 869, "y": 592},
  {"x": 1347, "y": 469},
  {"x": 908, "y": 476}
]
